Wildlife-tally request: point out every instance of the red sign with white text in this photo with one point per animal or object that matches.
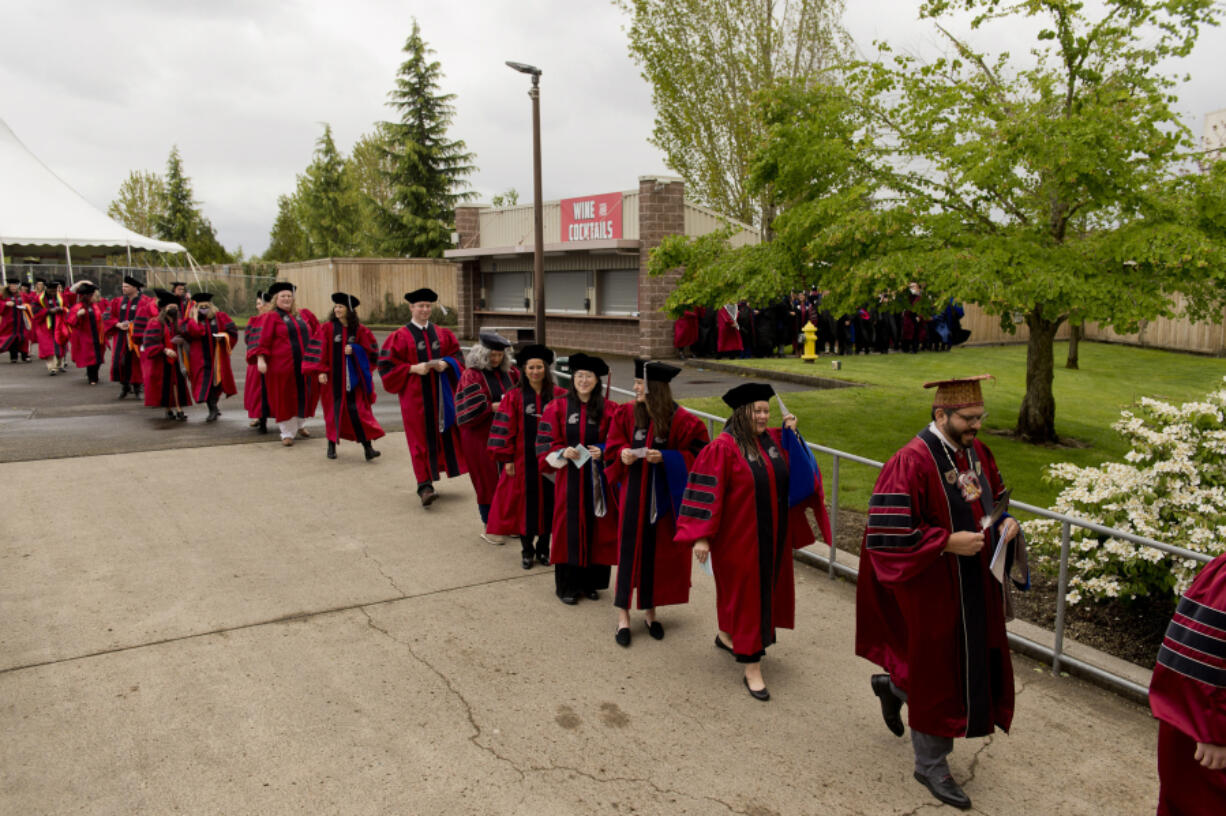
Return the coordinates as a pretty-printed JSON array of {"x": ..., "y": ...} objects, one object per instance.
[{"x": 592, "y": 218}]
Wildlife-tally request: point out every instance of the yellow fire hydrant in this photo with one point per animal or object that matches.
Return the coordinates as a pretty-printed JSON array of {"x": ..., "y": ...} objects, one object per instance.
[{"x": 810, "y": 332}]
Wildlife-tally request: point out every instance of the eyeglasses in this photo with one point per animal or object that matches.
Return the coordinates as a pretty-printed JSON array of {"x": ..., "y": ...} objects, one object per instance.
[{"x": 977, "y": 419}]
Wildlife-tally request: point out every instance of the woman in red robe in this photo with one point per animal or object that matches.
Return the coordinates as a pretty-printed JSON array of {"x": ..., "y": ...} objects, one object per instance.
[
  {"x": 341, "y": 355},
  {"x": 487, "y": 377},
  {"x": 523, "y": 500},
  {"x": 1188, "y": 696},
  {"x": 50, "y": 309},
  {"x": 279, "y": 354},
  {"x": 738, "y": 511},
  {"x": 88, "y": 331},
  {"x": 573, "y": 430},
  {"x": 210, "y": 335},
  {"x": 685, "y": 331},
  {"x": 165, "y": 383},
  {"x": 652, "y": 444},
  {"x": 16, "y": 323},
  {"x": 728, "y": 340},
  {"x": 255, "y": 398}
]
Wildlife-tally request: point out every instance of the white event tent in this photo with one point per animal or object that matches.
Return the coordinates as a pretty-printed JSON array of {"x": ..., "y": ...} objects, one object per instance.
[{"x": 38, "y": 210}]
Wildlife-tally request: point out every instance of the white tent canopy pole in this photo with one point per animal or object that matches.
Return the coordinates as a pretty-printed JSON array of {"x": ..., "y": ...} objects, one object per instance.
[
  {"x": 3, "y": 270},
  {"x": 68, "y": 252}
]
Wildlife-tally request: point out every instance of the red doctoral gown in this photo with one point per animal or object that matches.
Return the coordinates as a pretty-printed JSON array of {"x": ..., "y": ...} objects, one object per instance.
[
  {"x": 283, "y": 338},
  {"x": 350, "y": 390},
  {"x": 51, "y": 328},
  {"x": 125, "y": 343},
  {"x": 477, "y": 394},
  {"x": 16, "y": 324},
  {"x": 165, "y": 382},
  {"x": 652, "y": 566},
  {"x": 427, "y": 402},
  {"x": 742, "y": 509},
  {"x": 581, "y": 538},
  {"x": 729, "y": 337},
  {"x": 685, "y": 330},
  {"x": 88, "y": 333},
  {"x": 935, "y": 621},
  {"x": 208, "y": 357},
  {"x": 523, "y": 503},
  {"x": 1188, "y": 696},
  {"x": 255, "y": 400}
]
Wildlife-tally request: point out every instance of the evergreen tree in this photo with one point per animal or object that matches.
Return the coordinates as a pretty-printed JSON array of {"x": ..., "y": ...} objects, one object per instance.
[
  {"x": 329, "y": 211},
  {"x": 181, "y": 221},
  {"x": 288, "y": 240},
  {"x": 426, "y": 168}
]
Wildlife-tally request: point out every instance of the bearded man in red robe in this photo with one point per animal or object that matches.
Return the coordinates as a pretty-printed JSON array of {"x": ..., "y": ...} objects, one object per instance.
[{"x": 930, "y": 608}]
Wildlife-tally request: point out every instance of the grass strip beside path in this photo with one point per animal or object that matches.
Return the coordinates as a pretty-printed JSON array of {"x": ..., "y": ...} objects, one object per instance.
[{"x": 877, "y": 420}]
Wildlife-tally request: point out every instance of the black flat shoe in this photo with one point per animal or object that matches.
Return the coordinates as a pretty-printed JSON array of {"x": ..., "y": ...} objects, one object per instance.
[
  {"x": 890, "y": 705},
  {"x": 592, "y": 595},
  {"x": 170, "y": 414},
  {"x": 331, "y": 450},
  {"x": 527, "y": 562},
  {"x": 946, "y": 790},
  {"x": 262, "y": 426},
  {"x": 654, "y": 629},
  {"x": 719, "y": 644},
  {"x": 543, "y": 558},
  {"x": 622, "y": 636},
  {"x": 570, "y": 600},
  {"x": 181, "y": 417},
  {"x": 762, "y": 695},
  {"x": 371, "y": 453}
]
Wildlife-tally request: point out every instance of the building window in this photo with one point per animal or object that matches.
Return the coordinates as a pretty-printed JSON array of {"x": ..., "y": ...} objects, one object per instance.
[
  {"x": 504, "y": 291},
  {"x": 618, "y": 292},
  {"x": 566, "y": 292}
]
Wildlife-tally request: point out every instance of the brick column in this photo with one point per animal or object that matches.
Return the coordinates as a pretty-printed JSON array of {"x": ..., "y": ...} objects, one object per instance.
[
  {"x": 661, "y": 213},
  {"x": 468, "y": 286}
]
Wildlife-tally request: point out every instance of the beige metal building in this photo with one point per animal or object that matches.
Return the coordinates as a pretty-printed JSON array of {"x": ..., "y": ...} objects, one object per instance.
[{"x": 598, "y": 295}]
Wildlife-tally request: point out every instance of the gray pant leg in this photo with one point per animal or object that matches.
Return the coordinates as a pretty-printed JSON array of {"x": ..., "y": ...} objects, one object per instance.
[{"x": 930, "y": 753}]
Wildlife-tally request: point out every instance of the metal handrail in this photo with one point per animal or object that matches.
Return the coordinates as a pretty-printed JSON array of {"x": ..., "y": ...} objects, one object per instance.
[{"x": 1059, "y": 660}]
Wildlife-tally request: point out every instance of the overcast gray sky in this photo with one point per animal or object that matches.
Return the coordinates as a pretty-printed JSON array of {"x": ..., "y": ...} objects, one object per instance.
[{"x": 241, "y": 86}]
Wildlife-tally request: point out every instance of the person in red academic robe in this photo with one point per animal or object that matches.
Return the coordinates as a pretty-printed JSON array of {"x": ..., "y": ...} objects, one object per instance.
[
  {"x": 210, "y": 335},
  {"x": 126, "y": 318},
  {"x": 421, "y": 363},
  {"x": 744, "y": 509},
  {"x": 161, "y": 351},
  {"x": 1188, "y": 696},
  {"x": 685, "y": 332},
  {"x": 340, "y": 357},
  {"x": 50, "y": 326},
  {"x": 487, "y": 377},
  {"x": 279, "y": 354},
  {"x": 16, "y": 323},
  {"x": 652, "y": 444},
  {"x": 523, "y": 500},
  {"x": 728, "y": 338},
  {"x": 573, "y": 429},
  {"x": 87, "y": 337},
  {"x": 255, "y": 399},
  {"x": 928, "y": 608}
]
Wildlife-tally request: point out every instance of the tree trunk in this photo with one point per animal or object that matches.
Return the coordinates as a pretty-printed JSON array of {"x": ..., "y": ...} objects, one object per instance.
[
  {"x": 1036, "y": 421},
  {"x": 1074, "y": 345}
]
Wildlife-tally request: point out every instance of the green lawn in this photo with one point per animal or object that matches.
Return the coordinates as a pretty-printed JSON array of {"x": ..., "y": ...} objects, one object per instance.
[{"x": 879, "y": 418}]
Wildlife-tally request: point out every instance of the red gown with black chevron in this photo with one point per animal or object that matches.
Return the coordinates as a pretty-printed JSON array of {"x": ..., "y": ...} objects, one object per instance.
[
  {"x": 87, "y": 333},
  {"x": 16, "y": 323},
  {"x": 479, "y": 391},
  {"x": 523, "y": 502},
  {"x": 346, "y": 400},
  {"x": 208, "y": 357},
  {"x": 1188, "y": 696},
  {"x": 934, "y": 620},
  {"x": 652, "y": 567},
  {"x": 283, "y": 340},
  {"x": 165, "y": 383},
  {"x": 125, "y": 343},
  {"x": 741, "y": 508}
]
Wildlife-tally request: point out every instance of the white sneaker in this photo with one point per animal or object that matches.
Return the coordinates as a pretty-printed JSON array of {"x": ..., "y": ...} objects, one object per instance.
[{"x": 493, "y": 539}]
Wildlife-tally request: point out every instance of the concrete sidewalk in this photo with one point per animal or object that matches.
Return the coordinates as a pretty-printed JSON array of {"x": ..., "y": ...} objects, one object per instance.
[{"x": 255, "y": 629}]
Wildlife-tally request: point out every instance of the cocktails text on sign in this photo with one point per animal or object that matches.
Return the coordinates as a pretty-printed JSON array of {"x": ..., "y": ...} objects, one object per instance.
[{"x": 592, "y": 218}]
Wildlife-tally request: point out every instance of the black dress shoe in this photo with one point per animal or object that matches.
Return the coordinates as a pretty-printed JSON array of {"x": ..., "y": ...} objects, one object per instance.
[
  {"x": 592, "y": 595},
  {"x": 622, "y": 637},
  {"x": 212, "y": 417},
  {"x": 719, "y": 644},
  {"x": 762, "y": 694},
  {"x": 180, "y": 416},
  {"x": 170, "y": 414},
  {"x": 543, "y": 557},
  {"x": 262, "y": 426},
  {"x": 427, "y": 496},
  {"x": 331, "y": 449},
  {"x": 654, "y": 629},
  {"x": 570, "y": 600},
  {"x": 371, "y": 453},
  {"x": 947, "y": 790},
  {"x": 527, "y": 562},
  {"x": 123, "y": 392},
  {"x": 890, "y": 704}
]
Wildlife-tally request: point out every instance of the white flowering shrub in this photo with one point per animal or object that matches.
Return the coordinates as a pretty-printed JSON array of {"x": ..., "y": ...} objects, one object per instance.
[{"x": 1171, "y": 488}]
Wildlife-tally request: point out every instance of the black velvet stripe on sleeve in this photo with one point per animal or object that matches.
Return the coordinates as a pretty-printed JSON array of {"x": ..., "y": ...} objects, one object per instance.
[
  {"x": 1202, "y": 614},
  {"x": 1195, "y": 669}
]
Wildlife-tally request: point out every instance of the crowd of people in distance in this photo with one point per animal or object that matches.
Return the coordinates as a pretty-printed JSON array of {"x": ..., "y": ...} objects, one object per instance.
[
  {"x": 586, "y": 484},
  {"x": 904, "y": 322}
]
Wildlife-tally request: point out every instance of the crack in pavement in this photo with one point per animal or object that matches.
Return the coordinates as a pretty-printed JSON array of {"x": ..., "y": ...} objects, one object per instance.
[
  {"x": 478, "y": 732},
  {"x": 379, "y": 566},
  {"x": 987, "y": 743}
]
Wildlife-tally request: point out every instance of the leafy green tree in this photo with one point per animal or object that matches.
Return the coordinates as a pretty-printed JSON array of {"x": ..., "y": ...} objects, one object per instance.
[
  {"x": 1052, "y": 189},
  {"x": 427, "y": 169},
  {"x": 366, "y": 183},
  {"x": 508, "y": 199},
  {"x": 706, "y": 60},
  {"x": 139, "y": 202},
  {"x": 329, "y": 212},
  {"x": 181, "y": 220}
]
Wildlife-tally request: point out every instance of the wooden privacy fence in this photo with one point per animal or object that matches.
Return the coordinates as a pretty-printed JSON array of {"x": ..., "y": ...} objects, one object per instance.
[
  {"x": 374, "y": 281},
  {"x": 1176, "y": 334}
]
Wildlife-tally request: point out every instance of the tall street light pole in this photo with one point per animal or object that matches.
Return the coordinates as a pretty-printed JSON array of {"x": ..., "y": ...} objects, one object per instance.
[{"x": 538, "y": 244}]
